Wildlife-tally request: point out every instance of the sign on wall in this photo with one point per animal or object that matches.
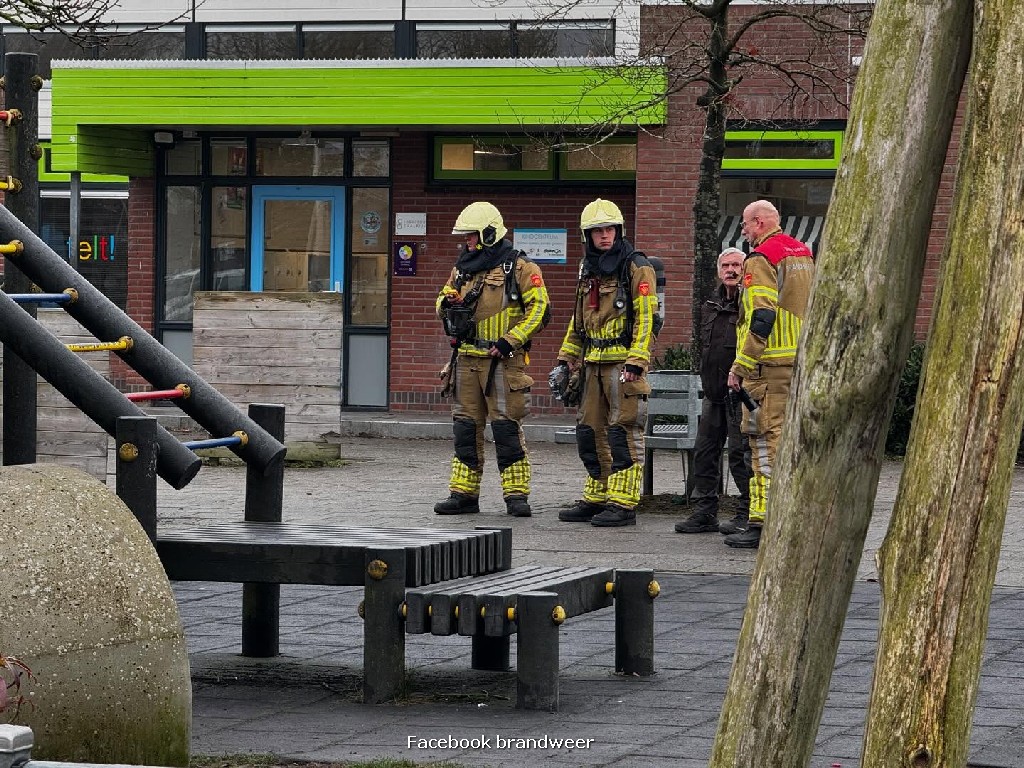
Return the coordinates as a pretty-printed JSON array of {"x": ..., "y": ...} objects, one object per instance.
[
  {"x": 405, "y": 259},
  {"x": 410, "y": 224},
  {"x": 546, "y": 246}
]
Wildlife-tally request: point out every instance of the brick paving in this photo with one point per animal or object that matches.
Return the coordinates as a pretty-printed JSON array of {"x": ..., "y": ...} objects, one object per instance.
[{"x": 304, "y": 704}]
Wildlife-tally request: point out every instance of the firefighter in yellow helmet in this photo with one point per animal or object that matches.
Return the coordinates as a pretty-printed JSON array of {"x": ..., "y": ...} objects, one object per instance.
[
  {"x": 492, "y": 305},
  {"x": 609, "y": 342}
]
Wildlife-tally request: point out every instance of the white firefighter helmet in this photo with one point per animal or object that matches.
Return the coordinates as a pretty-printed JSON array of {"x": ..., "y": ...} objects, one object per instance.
[
  {"x": 601, "y": 213},
  {"x": 482, "y": 218}
]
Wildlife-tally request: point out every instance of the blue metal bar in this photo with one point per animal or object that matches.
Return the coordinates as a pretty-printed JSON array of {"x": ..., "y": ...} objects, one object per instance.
[
  {"x": 39, "y": 298},
  {"x": 215, "y": 442}
]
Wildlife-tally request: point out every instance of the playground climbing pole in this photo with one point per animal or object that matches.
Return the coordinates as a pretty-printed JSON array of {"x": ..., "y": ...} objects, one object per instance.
[{"x": 21, "y": 85}]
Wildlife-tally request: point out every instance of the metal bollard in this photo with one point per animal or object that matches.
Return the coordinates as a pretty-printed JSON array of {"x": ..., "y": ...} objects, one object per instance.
[{"x": 16, "y": 743}]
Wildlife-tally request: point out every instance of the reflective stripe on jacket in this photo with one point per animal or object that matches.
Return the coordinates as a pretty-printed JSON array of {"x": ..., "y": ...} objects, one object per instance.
[{"x": 777, "y": 277}]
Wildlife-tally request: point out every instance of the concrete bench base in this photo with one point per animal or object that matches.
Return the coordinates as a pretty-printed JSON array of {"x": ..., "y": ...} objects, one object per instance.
[{"x": 532, "y": 602}]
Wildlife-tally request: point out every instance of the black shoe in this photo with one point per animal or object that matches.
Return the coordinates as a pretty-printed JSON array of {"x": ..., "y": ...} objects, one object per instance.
[
  {"x": 736, "y": 524},
  {"x": 517, "y": 506},
  {"x": 580, "y": 512},
  {"x": 614, "y": 516},
  {"x": 748, "y": 539},
  {"x": 698, "y": 522},
  {"x": 458, "y": 504}
]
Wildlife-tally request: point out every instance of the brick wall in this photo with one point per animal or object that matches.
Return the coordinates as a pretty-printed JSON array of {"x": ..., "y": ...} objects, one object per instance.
[
  {"x": 141, "y": 273},
  {"x": 668, "y": 158}
]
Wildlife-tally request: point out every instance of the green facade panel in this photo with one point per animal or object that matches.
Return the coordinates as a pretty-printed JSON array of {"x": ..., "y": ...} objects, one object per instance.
[{"x": 103, "y": 117}]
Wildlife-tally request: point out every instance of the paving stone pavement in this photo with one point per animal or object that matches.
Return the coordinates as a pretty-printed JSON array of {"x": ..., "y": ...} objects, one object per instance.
[{"x": 304, "y": 704}]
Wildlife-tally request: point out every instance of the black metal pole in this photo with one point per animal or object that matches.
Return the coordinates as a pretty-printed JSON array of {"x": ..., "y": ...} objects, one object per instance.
[
  {"x": 264, "y": 496},
  {"x": 96, "y": 397},
  {"x": 136, "y": 468},
  {"x": 21, "y": 87},
  {"x": 105, "y": 320}
]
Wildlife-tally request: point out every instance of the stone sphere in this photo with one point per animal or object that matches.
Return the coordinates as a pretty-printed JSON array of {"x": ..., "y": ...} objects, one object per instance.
[{"x": 88, "y": 607}]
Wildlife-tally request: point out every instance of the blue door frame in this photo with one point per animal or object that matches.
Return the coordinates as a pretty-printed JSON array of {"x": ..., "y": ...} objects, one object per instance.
[{"x": 336, "y": 195}]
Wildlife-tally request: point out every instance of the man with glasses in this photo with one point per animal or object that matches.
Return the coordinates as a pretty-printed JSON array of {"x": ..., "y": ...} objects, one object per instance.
[
  {"x": 775, "y": 291},
  {"x": 719, "y": 418}
]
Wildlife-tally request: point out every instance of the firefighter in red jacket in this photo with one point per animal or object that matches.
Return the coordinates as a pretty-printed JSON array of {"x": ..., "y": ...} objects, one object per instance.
[{"x": 776, "y": 290}]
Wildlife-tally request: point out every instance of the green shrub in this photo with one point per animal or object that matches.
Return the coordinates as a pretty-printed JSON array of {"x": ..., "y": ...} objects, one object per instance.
[
  {"x": 675, "y": 358},
  {"x": 906, "y": 397}
]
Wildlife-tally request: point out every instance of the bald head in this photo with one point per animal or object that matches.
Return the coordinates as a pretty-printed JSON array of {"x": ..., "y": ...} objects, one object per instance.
[{"x": 758, "y": 218}]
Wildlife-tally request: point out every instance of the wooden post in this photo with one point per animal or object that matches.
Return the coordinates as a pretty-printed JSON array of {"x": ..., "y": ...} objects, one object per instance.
[
  {"x": 383, "y": 628},
  {"x": 634, "y": 622},
  {"x": 537, "y": 651},
  {"x": 136, "y": 468},
  {"x": 264, "y": 496}
]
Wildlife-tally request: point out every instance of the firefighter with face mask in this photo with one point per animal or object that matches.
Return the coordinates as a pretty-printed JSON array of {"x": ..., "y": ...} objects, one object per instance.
[
  {"x": 609, "y": 342},
  {"x": 492, "y": 305}
]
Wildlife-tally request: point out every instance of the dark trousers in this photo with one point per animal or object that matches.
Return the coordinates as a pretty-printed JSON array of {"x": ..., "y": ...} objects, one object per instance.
[{"x": 719, "y": 424}]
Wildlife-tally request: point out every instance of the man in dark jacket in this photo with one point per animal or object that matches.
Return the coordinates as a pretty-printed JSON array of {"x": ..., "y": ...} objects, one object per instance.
[{"x": 720, "y": 419}]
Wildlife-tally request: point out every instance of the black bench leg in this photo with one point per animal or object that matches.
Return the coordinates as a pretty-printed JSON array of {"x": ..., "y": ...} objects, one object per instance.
[
  {"x": 264, "y": 493},
  {"x": 383, "y": 632},
  {"x": 135, "y": 437},
  {"x": 634, "y": 622},
  {"x": 491, "y": 653},
  {"x": 648, "y": 476},
  {"x": 537, "y": 654}
]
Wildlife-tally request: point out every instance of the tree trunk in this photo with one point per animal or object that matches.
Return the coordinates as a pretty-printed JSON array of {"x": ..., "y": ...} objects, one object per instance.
[
  {"x": 858, "y": 332},
  {"x": 706, "y": 204},
  {"x": 938, "y": 562}
]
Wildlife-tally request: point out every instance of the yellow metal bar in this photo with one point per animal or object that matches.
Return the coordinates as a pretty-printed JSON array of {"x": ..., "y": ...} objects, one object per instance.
[
  {"x": 125, "y": 342},
  {"x": 15, "y": 246},
  {"x": 11, "y": 183}
]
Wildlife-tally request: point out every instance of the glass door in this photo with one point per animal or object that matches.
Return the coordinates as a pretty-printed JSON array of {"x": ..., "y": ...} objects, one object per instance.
[{"x": 298, "y": 238}]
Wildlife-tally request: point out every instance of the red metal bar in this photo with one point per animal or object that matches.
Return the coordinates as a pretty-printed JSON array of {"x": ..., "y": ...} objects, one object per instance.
[{"x": 156, "y": 394}]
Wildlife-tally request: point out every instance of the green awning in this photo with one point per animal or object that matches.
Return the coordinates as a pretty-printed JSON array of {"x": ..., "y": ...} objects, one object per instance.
[{"x": 104, "y": 112}]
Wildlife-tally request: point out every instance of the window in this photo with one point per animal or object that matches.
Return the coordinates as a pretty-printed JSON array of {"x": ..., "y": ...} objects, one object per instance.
[
  {"x": 229, "y": 229},
  {"x": 565, "y": 39},
  {"x": 128, "y": 43},
  {"x": 301, "y": 155},
  {"x": 371, "y": 158},
  {"x": 792, "y": 196},
  {"x": 251, "y": 42},
  {"x": 47, "y": 45},
  {"x": 183, "y": 159},
  {"x": 101, "y": 254},
  {"x": 371, "y": 243},
  {"x": 609, "y": 159},
  {"x": 782, "y": 150},
  {"x": 464, "y": 41},
  {"x": 492, "y": 158},
  {"x": 182, "y": 246},
  {"x": 348, "y": 41}
]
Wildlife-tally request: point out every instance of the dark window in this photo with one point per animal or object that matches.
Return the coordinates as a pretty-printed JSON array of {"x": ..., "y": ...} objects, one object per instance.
[
  {"x": 48, "y": 46},
  {"x": 348, "y": 42},
  {"x": 101, "y": 254},
  {"x": 168, "y": 43},
  {"x": 565, "y": 39},
  {"x": 247, "y": 43},
  {"x": 478, "y": 41},
  {"x": 792, "y": 196},
  {"x": 779, "y": 150}
]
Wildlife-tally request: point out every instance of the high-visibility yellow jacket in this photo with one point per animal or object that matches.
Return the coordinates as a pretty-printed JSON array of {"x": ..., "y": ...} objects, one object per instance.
[
  {"x": 496, "y": 315},
  {"x": 775, "y": 290},
  {"x": 598, "y": 331}
]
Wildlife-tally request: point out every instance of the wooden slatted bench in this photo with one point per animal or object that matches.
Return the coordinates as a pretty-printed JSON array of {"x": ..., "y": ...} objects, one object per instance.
[
  {"x": 532, "y": 602},
  {"x": 385, "y": 561}
]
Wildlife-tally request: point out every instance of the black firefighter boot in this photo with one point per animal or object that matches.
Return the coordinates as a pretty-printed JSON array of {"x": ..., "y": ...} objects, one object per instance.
[
  {"x": 517, "y": 505},
  {"x": 457, "y": 504},
  {"x": 748, "y": 539},
  {"x": 704, "y": 518}
]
